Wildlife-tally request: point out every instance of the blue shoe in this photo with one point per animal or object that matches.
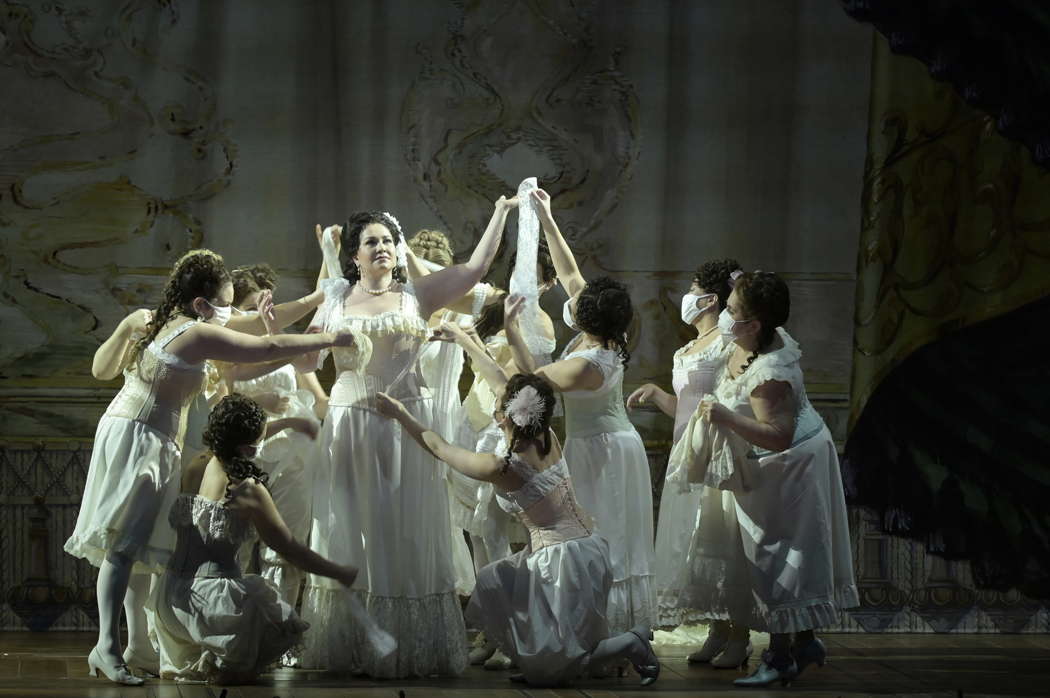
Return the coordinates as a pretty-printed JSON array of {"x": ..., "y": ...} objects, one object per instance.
[
  {"x": 768, "y": 672},
  {"x": 649, "y": 668},
  {"x": 811, "y": 653}
]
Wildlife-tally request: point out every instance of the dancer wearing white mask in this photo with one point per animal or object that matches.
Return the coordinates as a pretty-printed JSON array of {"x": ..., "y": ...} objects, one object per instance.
[
  {"x": 787, "y": 569},
  {"x": 133, "y": 477},
  {"x": 696, "y": 369},
  {"x": 377, "y": 504},
  {"x": 604, "y": 451},
  {"x": 546, "y": 605}
]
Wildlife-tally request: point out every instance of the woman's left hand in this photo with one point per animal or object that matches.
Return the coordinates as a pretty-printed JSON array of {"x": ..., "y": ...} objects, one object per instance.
[
  {"x": 266, "y": 313},
  {"x": 513, "y": 304}
]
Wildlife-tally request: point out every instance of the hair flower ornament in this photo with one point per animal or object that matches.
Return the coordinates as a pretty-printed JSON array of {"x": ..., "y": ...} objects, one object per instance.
[{"x": 525, "y": 409}]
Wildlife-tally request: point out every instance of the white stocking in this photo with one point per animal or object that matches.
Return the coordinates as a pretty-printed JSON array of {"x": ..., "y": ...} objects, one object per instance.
[
  {"x": 135, "y": 600},
  {"x": 110, "y": 589}
]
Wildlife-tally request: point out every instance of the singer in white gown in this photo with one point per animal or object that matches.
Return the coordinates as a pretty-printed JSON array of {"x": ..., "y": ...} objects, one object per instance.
[{"x": 379, "y": 500}]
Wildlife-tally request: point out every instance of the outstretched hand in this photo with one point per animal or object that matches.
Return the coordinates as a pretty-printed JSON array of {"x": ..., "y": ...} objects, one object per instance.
[
  {"x": 388, "y": 406},
  {"x": 641, "y": 396},
  {"x": 266, "y": 312}
]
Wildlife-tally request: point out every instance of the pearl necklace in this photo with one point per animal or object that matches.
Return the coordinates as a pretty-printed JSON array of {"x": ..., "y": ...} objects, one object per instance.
[{"x": 376, "y": 292}]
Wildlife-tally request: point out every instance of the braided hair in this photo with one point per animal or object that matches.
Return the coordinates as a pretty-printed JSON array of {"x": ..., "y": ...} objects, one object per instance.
[
  {"x": 197, "y": 274},
  {"x": 604, "y": 309},
  {"x": 530, "y": 432},
  {"x": 765, "y": 297},
  {"x": 235, "y": 422},
  {"x": 433, "y": 246},
  {"x": 713, "y": 277},
  {"x": 350, "y": 242}
]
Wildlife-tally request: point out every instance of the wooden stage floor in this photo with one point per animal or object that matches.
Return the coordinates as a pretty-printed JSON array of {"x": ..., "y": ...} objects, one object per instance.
[{"x": 53, "y": 665}]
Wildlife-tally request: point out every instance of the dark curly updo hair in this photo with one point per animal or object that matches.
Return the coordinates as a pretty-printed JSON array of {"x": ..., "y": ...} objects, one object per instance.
[
  {"x": 251, "y": 278},
  {"x": 713, "y": 277},
  {"x": 604, "y": 309},
  {"x": 236, "y": 421},
  {"x": 765, "y": 298},
  {"x": 541, "y": 430},
  {"x": 198, "y": 273},
  {"x": 490, "y": 319},
  {"x": 433, "y": 246},
  {"x": 350, "y": 242}
]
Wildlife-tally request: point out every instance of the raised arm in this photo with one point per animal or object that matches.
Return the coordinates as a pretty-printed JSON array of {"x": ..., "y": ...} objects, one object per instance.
[
  {"x": 564, "y": 262},
  {"x": 773, "y": 427},
  {"x": 111, "y": 357},
  {"x": 448, "y": 285},
  {"x": 254, "y": 500},
  {"x": 284, "y": 314},
  {"x": 478, "y": 466},
  {"x": 490, "y": 371},
  {"x": 519, "y": 350}
]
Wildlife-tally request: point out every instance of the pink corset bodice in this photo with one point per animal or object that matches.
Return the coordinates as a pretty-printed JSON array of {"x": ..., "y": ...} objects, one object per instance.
[{"x": 546, "y": 504}]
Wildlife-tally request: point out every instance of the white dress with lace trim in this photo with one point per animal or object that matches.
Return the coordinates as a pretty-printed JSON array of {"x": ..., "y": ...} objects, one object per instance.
[
  {"x": 788, "y": 564},
  {"x": 379, "y": 503}
]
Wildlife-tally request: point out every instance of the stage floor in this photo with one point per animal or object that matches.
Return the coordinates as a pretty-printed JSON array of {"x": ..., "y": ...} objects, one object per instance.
[{"x": 54, "y": 665}]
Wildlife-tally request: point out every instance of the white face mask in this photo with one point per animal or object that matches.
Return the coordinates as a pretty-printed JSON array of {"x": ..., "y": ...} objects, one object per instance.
[
  {"x": 566, "y": 316},
  {"x": 221, "y": 315},
  {"x": 727, "y": 325},
  {"x": 690, "y": 306}
]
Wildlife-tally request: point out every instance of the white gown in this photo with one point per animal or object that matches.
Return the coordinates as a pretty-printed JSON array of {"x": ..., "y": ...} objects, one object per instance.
[
  {"x": 610, "y": 473},
  {"x": 545, "y": 606},
  {"x": 693, "y": 376},
  {"x": 380, "y": 503},
  {"x": 211, "y": 621},
  {"x": 133, "y": 478},
  {"x": 284, "y": 457},
  {"x": 786, "y": 565}
]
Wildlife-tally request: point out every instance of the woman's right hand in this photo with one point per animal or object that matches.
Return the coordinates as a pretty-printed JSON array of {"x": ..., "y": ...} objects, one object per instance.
[{"x": 643, "y": 395}]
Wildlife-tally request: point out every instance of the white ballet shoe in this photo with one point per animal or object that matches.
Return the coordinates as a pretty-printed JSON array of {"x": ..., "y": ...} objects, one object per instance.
[
  {"x": 734, "y": 656},
  {"x": 480, "y": 654},
  {"x": 498, "y": 662},
  {"x": 116, "y": 674}
]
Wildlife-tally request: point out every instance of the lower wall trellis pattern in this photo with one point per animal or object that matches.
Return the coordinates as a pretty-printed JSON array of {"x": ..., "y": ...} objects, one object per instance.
[{"x": 902, "y": 587}]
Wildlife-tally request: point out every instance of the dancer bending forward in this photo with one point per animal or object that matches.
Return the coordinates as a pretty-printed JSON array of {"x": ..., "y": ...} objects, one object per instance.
[
  {"x": 546, "y": 605},
  {"x": 212, "y": 622}
]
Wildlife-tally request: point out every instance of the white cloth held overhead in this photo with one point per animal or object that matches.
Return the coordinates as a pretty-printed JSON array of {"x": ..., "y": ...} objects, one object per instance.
[
  {"x": 523, "y": 280},
  {"x": 330, "y": 253}
]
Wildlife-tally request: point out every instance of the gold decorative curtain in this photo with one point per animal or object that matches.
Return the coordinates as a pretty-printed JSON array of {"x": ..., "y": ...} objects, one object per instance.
[{"x": 955, "y": 222}]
